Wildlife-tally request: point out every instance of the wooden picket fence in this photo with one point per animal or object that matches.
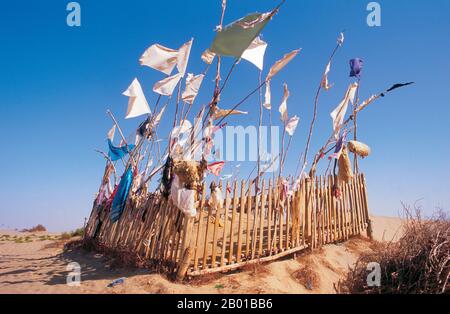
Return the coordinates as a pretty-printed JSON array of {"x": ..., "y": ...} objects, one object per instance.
[{"x": 252, "y": 226}]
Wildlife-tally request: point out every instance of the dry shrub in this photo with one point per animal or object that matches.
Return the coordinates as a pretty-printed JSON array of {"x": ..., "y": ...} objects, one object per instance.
[
  {"x": 419, "y": 263},
  {"x": 37, "y": 228},
  {"x": 308, "y": 277}
]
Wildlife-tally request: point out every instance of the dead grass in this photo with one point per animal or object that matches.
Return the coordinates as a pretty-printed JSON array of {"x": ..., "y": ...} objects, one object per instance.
[
  {"x": 307, "y": 277},
  {"x": 419, "y": 263}
]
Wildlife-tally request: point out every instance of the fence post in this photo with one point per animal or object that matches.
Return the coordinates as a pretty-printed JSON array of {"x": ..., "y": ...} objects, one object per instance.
[
  {"x": 308, "y": 211},
  {"x": 366, "y": 209},
  {"x": 186, "y": 250}
]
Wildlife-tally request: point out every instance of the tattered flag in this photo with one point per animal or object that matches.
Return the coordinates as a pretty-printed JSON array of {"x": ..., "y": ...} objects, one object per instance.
[
  {"x": 356, "y": 66},
  {"x": 137, "y": 103},
  {"x": 291, "y": 125},
  {"x": 216, "y": 167},
  {"x": 338, "y": 114},
  {"x": 160, "y": 58},
  {"x": 255, "y": 52},
  {"x": 166, "y": 86}
]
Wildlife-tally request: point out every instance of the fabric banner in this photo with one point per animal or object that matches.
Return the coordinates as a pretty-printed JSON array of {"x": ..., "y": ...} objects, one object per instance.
[
  {"x": 208, "y": 56},
  {"x": 193, "y": 84},
  {"x": 116, "y": 153},
  {"x": 166, "y": 86},
  {"x": 160, "y": 58},
  {"x": 137, "y": 103},
  {"x": 325, "y": 85},
  {"x": 235, "y": 38},
  {"x": 291, "y": 125},
  {"x": 111, "y": 133},
  {"x": 338, "y": 114},
  {"x": 283, "y": 107},
  {"x": 280, "y": 64},
  {"x": 255, "y": 52},
  {"x": 120, "y": 198},
  {"x": 183, "y": 57}
]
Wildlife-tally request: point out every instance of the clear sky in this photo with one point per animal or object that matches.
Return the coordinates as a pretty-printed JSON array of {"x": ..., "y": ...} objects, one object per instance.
[{"x": 57, "y": 82}]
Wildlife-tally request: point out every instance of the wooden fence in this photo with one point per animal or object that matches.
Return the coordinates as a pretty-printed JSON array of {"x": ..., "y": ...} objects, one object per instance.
[{"x": 251, "y": 227}]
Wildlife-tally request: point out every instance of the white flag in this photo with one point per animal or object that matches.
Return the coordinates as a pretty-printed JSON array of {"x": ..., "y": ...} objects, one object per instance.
[
  {"x": 280, "y": 64},
  {"x": 166, "y": 86},
  {"x": 283, "y": 107},
  {"x": 208, "y": 56},
  {"x": 291, "y": 125},
  {"x": 193, "y": 84},
  {"x": 111, "y": 133},
  {"x": 183, "y": 57},
  {"x": 160, "y": 58},
  {"x": 325, "y": 85},
  {"x": 137, "y": 104},
  {"x": 159, "y": 116},
  {"x": 338, "y": 114},
  {"x": 267, "y": 97},
  {"x": 340, "y": 39},
  {"x": 255, "y": 52}
]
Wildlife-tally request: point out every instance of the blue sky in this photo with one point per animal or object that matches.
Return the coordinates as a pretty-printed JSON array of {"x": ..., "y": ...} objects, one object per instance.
[{"x": 57, "y": 83}]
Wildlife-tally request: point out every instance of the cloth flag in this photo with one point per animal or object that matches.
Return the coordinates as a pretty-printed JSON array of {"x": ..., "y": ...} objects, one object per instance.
[
  {"x": 291, "y": 125},
  {"x": 340, "y": 39},
  {"x": 183, "y": 57},
  {"x": 182, "y": 198},
  {"x": 166, "y": 86},
  {"x": 235, "y": 38},
  {"x": 356, "y": 66},
  {"x": 267, "y": 97},
  {"x": 398, "y": 85},
  {"x": 208, "y": 56},
  {"x": 338, "y": 114},
  {"x": 216, "y": 167},
  {"x": 283, "y": 107},
  {"x": 339, "y": 146},
  {"x": 280, "y": 64},
  {"x": 193, "y": 84},
  {"x": 220, "y": 113},
  {"x": 159, "y": 116},
  {"x": 325, "y": 85},
  {"x": 255, "y": 52},
  {"x": 160, "y": 58},
  {"x": 111, "y": 133},
  {"x": 116, "y": 153},
  {"x": 120, "y": 198},
  {"x": 137, "y": 104}
]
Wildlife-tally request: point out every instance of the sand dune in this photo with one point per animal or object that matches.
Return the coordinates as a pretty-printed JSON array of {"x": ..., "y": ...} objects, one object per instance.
[{"x": 38, "y": 265}]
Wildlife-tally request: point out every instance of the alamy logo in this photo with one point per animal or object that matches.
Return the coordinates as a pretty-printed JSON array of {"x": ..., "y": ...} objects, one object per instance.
[
  {"x": 74, "y": 276},
  {"x": 230, "y": 143},
  {"x": 74, "y": 16},
  {"x": 374, "y": 277},
  {"x": 374, "y": 17}
]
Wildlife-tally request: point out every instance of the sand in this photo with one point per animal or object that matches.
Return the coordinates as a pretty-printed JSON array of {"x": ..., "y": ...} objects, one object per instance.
[{"x": 39, "y": 265}]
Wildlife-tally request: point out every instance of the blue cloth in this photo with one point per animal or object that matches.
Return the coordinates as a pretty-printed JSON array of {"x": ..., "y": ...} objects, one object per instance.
[
  {"x": 116, "y": 153},
  {"x": 356, "y": 66},
  {"x": 120, "y": 199}
]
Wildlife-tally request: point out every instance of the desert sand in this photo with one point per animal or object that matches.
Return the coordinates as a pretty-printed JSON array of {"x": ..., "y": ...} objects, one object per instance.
[{"x": 38, "y": 264}]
